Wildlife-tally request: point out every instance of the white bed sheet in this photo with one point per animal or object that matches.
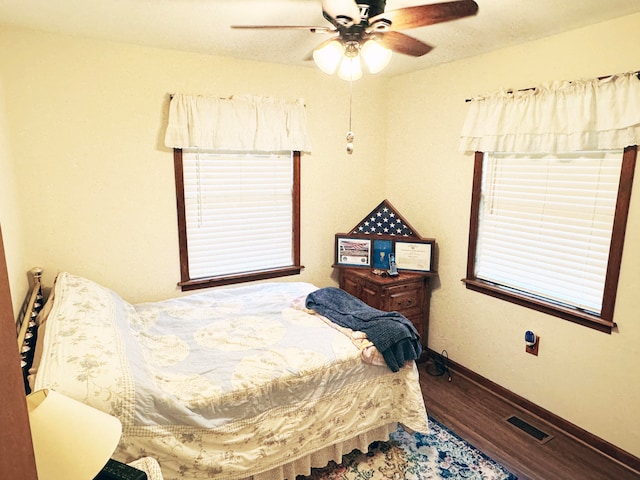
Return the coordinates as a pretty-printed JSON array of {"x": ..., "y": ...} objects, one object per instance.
[{"x": 230, "y": 383}]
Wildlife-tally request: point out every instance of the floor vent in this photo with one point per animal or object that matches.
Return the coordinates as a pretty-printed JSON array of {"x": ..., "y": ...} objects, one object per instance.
[{"x": 526, "y": 427}]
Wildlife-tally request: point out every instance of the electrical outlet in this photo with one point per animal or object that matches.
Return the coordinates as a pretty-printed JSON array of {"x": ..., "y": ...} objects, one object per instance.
[{"x": 533, "y": 349}]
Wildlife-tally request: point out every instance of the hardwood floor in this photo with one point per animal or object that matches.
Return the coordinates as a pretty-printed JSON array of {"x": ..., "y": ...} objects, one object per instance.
[{"x": 479, "y": 416}]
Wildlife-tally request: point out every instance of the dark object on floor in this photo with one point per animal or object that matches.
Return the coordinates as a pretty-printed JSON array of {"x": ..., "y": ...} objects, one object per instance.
[{"x": 440, "y": 365}]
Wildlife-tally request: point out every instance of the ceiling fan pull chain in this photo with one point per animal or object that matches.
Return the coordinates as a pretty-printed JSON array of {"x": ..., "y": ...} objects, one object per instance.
[{"x": 350, "y": 132}]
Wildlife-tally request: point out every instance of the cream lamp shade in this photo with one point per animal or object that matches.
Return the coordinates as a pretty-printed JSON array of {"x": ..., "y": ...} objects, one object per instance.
[
  {"x": 375, "y": 56},
  {"x": 329, "y": 56},
  {"x": 350, "y": 68},
  {"x": 71, "y": 440}
]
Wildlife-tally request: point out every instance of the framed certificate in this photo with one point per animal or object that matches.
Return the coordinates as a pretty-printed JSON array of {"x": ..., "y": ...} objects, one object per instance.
[
  {"x": 414, "y": 255},
  {"x": 354, "y": 252}
]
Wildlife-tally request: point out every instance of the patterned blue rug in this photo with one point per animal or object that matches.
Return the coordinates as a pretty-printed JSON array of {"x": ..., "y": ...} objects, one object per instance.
[{"x": 439, "y": 455}]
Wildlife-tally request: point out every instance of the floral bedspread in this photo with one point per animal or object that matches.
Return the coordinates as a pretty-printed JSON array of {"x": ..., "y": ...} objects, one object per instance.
[{"x": 222, "y": 384}]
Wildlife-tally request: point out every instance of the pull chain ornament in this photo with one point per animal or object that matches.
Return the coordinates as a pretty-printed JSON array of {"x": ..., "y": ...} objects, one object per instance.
[
  {"x": 350, "y": 132},
  {"x": 349, "y": 143}
]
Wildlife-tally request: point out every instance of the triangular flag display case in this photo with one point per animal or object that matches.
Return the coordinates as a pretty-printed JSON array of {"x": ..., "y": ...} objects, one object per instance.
[
  {"x": 382, "y": 235},
  {"x": 384, "y": 220}
]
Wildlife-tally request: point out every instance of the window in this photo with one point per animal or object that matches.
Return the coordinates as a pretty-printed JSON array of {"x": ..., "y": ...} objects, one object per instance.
[
  {"x": 547, "y": 231},
  {"x": 238, "y": 216}
]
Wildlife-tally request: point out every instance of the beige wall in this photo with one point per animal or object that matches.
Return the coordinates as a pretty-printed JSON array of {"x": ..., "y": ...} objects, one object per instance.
[
  {"x": 92, "y": 192},
  {"x": 85, "y": 125},
  {"x": 10, "y": 219},
  {"x": 589, "y": 378}
]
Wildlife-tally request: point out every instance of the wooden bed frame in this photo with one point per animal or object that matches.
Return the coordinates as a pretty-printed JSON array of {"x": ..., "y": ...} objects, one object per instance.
[{"x": 28, "y": 313}]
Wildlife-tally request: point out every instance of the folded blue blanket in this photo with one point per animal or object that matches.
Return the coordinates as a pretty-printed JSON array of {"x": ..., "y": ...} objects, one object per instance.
[{"x": 391, "y": 332}]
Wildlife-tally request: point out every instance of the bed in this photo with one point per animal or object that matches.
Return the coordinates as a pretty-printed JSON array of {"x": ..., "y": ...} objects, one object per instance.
[{"x": 232, "y": 383}]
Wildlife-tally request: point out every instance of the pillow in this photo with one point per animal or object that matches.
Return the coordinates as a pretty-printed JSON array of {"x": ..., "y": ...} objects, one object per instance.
[{"x": 85, "y": 340}]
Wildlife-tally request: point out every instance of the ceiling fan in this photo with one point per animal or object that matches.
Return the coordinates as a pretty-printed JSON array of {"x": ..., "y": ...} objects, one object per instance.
[{"x": 362, "y": 28}]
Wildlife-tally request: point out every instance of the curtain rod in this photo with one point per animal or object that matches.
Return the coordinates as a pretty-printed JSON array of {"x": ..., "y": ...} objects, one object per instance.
[
  {"x": 230, "y": 97},
  {"x": 636, "y": 73}
]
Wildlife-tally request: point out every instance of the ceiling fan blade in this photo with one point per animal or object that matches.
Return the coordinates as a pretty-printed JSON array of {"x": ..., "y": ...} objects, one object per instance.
[
  {"x": 341, "y": 12},
  {"x": 285, "y": 27},
  {"x": 421, "y": 15},
  {"x": 401, "y": 43}
]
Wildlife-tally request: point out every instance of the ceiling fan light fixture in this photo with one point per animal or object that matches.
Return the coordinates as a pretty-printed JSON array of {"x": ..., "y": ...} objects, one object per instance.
[
  {"x": 350, "y": 68},
  {"x": 329, "y": 56},
  {"x": 375, "y": 56},
  {"x": 365, "y": 25}
]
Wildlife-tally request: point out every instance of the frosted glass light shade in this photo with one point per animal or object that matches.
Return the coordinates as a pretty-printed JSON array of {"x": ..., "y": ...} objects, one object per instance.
[
  {"x": 375, "y": 56},
  {"x": 71, "y": 440},
  {"x": 350, "y": 68},
  {"x": 328, "y": 57}
]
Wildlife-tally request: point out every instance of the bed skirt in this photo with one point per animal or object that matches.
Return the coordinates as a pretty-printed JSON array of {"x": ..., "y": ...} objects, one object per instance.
[{"x": 322, "y": 457}]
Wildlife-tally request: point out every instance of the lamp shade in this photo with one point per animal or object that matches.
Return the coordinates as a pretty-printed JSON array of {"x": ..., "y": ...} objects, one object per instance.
[
  {"x": 350, "y": 68},
  {"x": 375, "y": 56},
  {"x": 71, "y": 440},
  {"x": 328, "y": 56}
]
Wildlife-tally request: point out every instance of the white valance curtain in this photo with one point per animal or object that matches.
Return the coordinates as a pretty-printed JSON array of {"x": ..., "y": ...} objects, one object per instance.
[
  {"x": 561, "y": 117},
  {"x": 245, "y": 123}
]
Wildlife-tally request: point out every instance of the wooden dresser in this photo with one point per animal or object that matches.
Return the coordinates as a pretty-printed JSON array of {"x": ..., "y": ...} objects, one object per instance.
[{"x": 408, "y": 294}]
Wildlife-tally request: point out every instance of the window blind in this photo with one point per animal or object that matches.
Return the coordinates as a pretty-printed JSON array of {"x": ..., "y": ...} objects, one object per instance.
[
  {"x": 545, "y": 224},
  {"x": 239, "y": 212}
]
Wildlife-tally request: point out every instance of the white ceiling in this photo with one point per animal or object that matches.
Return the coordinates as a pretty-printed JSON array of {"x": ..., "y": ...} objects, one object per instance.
[{"x": 204, "y": 25}]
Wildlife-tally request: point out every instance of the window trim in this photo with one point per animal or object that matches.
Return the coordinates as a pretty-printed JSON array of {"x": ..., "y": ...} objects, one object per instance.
[
  {"x": 186, "y": 283},
  {"x": 603, "y": 322}
]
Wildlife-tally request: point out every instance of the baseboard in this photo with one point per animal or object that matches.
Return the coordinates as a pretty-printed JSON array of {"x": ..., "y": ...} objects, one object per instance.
[{"x": 621, "y": 456}]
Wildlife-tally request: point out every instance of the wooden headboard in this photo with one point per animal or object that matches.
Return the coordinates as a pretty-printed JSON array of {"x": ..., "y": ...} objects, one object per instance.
[
  {"x": 16, "y": 450},
  {"x": 30, "y": 307},
  {"x": 26, "y": 324}
]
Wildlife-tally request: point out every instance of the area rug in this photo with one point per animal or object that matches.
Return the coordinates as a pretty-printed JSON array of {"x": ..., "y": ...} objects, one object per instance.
[{"x": 439, "y": 455}]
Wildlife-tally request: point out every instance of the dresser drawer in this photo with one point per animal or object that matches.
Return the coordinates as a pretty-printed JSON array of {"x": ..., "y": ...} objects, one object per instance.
[
  {"x": 351, "y": 284},
  {"x": 415, "y": 316},
  {"x": 404, "y": 297},
  {"x": 372, "y": 295}
]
